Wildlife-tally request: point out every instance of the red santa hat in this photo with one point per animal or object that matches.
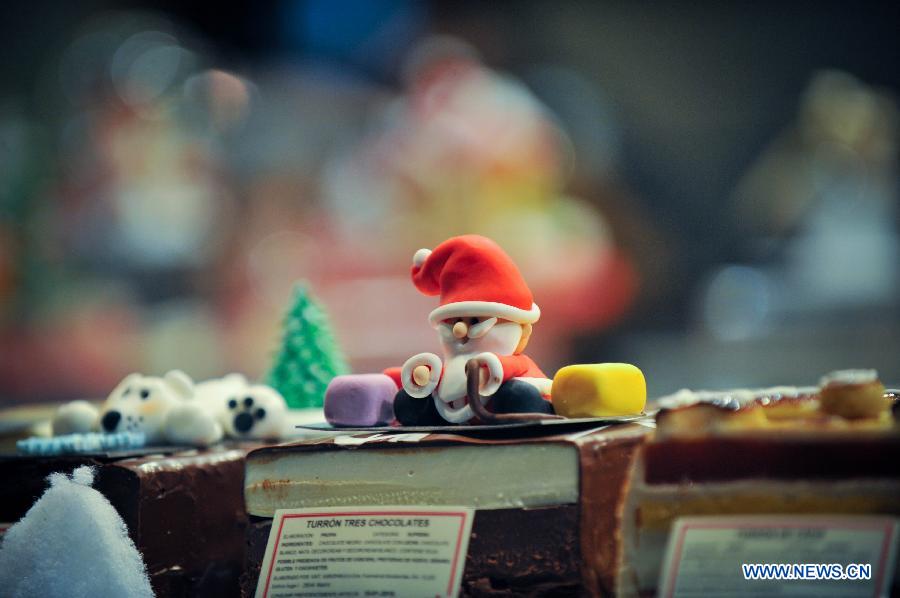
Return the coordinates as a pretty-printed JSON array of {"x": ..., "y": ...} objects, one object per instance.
[{"x": 474, "y": 277}]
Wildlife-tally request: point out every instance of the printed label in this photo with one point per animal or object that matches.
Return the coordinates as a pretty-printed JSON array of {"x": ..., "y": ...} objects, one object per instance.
[
  {"x": 797, "y": 555},
  {"x": 366, "y": 551}
]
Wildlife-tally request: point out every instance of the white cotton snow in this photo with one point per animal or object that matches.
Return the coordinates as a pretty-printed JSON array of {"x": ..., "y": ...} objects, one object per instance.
[{"x": 71, "y": 543}]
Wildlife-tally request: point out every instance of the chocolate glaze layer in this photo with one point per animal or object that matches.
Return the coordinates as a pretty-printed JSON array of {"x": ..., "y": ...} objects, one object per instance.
[
  {"x": 186, "y": 514},
  {"x": 813, "y": 458}
]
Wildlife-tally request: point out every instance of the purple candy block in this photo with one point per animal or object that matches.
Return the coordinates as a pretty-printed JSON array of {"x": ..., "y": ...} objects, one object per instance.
[{"x": 360, "y": 400}]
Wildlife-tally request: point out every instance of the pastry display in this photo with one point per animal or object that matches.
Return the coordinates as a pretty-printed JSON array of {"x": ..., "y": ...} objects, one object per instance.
[
  {"x": 394, "y": 299},
  {"x": 830, "y": 449},
  {"x": 574, "y": 488}
]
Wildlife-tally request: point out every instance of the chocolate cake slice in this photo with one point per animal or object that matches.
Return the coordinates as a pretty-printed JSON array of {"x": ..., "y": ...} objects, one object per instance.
[
  {"x": 547, "y": 504},
  {"x": 779, "y": 451},
  {"x": 184, "y": 509}
]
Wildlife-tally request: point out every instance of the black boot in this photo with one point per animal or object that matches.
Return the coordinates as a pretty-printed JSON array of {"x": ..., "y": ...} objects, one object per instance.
[
  {"x": 410, "y": 411},
  {"x": 516, "y": 396}
]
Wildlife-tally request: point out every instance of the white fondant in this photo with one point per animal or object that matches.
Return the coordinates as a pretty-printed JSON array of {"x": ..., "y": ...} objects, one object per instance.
[
  {"x": 445, "y": 332},
  {"x": 77, "y": 417},
  {"x": 484, "y": 341},
  {"x": 433, "y": 362},
  {"x": 216, "y": 396},
  {"x": 500, "y": 339},
  {"x": 172, "y": 409},
  {"x": 420, "y": 256},
  {"x": 454, "y": 415},
  {"x": 190, "y": 423},
  {"x": 450, "y": 403},
  {"x": 481, "y": 328},
  {"x": 273, "y": 422},
  {"x": 484, "y": 308},
  {"x": 180, "y": 383},
  {"x": 144, "y": 402},
  {"x": 495, "y": 373}
]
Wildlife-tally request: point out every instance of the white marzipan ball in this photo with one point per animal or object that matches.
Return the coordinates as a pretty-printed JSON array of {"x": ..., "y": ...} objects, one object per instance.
[{"x": 77, "y": 417}]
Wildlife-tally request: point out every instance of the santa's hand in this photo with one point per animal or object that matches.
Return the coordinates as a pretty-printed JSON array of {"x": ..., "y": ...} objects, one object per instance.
[
  {"x": 418, "y": 382},
  {"x": 491, "y": 373}
]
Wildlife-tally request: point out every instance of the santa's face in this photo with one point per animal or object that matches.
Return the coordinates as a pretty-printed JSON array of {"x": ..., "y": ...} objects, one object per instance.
[{"x": 477, "y": 334}]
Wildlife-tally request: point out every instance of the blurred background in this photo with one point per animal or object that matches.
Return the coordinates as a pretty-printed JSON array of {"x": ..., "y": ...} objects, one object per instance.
[{"x": 707, "y": 190}]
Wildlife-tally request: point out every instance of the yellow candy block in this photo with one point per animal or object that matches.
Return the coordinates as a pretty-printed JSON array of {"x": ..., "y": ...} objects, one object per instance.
[{"x": 599, "y": 389}]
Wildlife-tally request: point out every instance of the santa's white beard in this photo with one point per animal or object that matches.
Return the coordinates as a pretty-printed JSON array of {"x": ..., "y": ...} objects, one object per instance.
[{"x": 450, "y": 394}]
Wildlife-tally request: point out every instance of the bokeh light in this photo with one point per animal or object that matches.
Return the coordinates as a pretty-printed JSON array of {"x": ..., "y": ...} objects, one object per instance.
[{"x": 699, "y": 191}]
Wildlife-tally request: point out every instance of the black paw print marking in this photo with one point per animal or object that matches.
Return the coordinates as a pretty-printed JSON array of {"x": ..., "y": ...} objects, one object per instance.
[
  {"x": 247, "y": 416},
  {"x": 112, "y": 419},
  {"x": 133, "y": 423}
]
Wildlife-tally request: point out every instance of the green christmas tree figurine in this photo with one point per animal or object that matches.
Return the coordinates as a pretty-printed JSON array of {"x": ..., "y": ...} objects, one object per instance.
[{"x": 309, "y": 356}]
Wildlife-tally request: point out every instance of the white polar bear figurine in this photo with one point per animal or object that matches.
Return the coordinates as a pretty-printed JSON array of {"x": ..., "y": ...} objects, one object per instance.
[
  {"x": 162, "y": 408},
  {"x": 244, "y": 410},
  {"x": 174, "y": 410}
]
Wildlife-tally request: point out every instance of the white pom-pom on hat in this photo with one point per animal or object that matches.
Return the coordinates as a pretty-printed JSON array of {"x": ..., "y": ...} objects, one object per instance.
[{"x": 420, "y": 256}]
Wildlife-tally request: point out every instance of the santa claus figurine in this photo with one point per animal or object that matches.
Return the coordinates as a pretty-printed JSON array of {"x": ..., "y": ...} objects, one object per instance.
[{"x": 486, "y": 312}]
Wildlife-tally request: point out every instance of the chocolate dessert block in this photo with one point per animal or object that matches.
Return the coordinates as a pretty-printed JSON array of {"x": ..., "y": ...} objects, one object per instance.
[
  {"x": 548, "y": 506},
  {"x": 184, "y": 509}
]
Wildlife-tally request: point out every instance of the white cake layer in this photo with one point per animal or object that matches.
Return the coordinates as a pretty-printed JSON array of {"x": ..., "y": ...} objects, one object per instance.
[{"x": 484, "y": 477}]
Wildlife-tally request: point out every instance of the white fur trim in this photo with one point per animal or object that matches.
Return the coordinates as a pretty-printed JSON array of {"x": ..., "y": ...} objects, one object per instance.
[
  {"x": 484, "y": 308},
  {"x": 427, "y": 359},
  {"x": 420, "y": 256}
]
